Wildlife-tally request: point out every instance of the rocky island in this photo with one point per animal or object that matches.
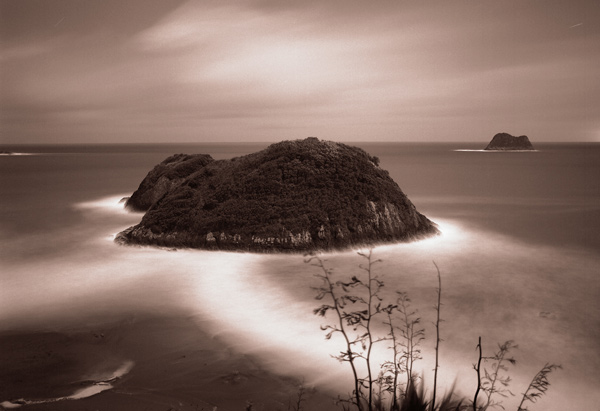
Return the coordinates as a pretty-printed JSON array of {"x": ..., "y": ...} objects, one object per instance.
[
  {"x": 507, "y": 142},
  {"x": 294, "y": 196}
]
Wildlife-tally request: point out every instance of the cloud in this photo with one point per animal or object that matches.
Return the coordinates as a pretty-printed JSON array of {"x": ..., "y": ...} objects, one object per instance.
[{"x": 268, "y": 70}]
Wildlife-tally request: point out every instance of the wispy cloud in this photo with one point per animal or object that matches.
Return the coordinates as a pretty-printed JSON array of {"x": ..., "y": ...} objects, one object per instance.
[{"x": 264, "y": 71}]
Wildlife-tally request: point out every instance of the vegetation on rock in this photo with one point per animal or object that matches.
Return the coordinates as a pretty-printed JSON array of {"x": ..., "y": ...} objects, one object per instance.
[
  {"x": 293, "y": 196},
  {"x": 170, "y": 173}
]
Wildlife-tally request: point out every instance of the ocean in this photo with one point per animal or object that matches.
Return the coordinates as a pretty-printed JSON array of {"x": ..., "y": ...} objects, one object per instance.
[{"x": 519, "y": 257}]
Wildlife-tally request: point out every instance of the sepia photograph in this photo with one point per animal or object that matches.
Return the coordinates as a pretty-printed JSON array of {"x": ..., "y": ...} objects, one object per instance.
[{"x": 299, "y": 205}]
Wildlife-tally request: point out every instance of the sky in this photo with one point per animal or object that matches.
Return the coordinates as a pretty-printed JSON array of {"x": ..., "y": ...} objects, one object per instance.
[{"x": 151, "y": 71}]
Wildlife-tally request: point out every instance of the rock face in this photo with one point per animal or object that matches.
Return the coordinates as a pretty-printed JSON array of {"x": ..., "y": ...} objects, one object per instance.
[
  {"x": 293, "y": 196},
  {"x": 164, "y": 176},
  {"x": 504, "y": 142}
]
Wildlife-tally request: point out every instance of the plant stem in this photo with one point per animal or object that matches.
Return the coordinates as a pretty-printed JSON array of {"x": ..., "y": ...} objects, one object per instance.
[
  {"x": 437, "y": 340},
  {"x": 340, "y": 317},
  {"x": 370, "y": 336},
  {"x": 478, "y": 369},
  {"x": 395, "y": 360},
  {"x": 538, "y": 385}
]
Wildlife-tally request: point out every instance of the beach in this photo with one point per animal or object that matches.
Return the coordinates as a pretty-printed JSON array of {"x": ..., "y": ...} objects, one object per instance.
[{"x": 174, "y": 366}]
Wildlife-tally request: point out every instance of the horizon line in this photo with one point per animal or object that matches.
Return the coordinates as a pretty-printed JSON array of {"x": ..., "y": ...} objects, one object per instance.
[{"x": 277, "y": 141}]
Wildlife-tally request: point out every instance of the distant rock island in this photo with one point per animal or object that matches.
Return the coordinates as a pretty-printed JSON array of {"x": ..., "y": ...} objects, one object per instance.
[
  {"x": 295, "y": 196},
  {"x": 506, "y": 142}
]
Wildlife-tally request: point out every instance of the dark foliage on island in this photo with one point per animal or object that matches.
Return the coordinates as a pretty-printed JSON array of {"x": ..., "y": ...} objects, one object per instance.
[
  {"x": 170, "y": 173},
  {"x": 505, "y": 141},
  {"x": 293, "y": 196}
]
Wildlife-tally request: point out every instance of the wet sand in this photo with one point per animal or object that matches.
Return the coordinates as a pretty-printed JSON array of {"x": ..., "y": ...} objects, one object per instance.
[{"x": 176, "y": 367}]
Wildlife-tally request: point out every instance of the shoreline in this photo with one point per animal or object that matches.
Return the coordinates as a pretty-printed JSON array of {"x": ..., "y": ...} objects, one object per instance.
[
  {"x": 175, "y": 365},
  {"x": 124, "y": 239}
]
